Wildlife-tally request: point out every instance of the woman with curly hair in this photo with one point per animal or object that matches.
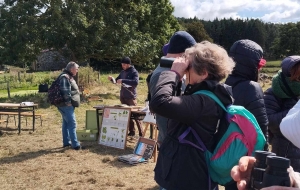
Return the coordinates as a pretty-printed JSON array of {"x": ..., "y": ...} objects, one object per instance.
[{"x": 181, "y": 166}]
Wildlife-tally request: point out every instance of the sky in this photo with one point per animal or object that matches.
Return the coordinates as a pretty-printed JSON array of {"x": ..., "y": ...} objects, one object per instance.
[{"x": 275, "y": 11}]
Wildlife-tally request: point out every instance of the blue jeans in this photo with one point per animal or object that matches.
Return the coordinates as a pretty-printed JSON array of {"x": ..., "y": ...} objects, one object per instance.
[{"x": 68, "y": 126}]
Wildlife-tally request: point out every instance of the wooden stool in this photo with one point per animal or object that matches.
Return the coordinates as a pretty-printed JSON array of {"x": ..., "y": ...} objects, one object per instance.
[{"x": 154, "y": 137}]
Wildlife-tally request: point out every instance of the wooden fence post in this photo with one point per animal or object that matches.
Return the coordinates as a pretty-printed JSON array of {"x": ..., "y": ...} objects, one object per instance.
[
  {"x": 8, "y": 89},
  {"x": 19, "y": 78}
]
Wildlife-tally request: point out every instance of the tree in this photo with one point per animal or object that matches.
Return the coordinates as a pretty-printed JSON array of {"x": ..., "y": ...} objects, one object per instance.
[
  {"x": 288, "y": 41},
  {"x": 138, "y": 29},
  {"x": 106, "y": 29},
  {"x": 19, "y": 32},
  {"x": 196, "y": 29}
]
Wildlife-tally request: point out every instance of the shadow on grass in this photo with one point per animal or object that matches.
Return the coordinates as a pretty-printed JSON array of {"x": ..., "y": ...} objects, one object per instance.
[
  {"x": 156, "y": 187},
  {"x": 30, "y": 155},
  {"x": 12, "y": 131}
]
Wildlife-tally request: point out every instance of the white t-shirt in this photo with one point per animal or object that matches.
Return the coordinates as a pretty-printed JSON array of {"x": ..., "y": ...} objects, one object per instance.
[{"x": 290, "y": 125}]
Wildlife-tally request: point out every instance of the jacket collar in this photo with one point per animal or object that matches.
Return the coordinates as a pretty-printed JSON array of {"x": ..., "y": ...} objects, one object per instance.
[{"x": 222, "y": 91}]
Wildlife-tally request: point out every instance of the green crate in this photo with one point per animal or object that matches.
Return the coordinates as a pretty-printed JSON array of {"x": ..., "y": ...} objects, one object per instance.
[
  {"x": 91, "y": 119},
  {"x": 87, "y": 135}
]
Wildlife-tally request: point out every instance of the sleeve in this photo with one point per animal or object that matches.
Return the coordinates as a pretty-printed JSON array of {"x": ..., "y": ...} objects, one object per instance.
[
  {"x": 165, "y": 102},
  {"x": 65, "y": 89},
  {"x": 119, "y": 76},
  {"x": 274, "y": 111},
  {"x": 289, "y": 125},
  {"x": 148, "y": 86},
  {"x": 134, "y": 79}
]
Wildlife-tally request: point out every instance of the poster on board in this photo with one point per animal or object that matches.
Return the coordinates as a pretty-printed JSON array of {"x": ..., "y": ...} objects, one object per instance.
[{"x": 113, "y": 130}]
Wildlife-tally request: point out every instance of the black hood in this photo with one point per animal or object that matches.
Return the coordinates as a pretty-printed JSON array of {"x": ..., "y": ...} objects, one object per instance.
[{"x": 247, "y": 55}]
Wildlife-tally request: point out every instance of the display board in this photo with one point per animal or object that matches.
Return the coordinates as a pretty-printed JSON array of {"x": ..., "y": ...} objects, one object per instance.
[{"x": 113, "y": 131}]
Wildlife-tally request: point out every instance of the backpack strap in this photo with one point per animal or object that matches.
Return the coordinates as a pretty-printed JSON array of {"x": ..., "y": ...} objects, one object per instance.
[
  {"x": 201, "y": 146},
  {"x": 64, "y": 75},
  {"x": 181, "y": 139},
  {"x": 213, "y": 96}
]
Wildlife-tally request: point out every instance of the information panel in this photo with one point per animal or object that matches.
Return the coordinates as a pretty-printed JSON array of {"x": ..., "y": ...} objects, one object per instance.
[{"x": 113, "y": 130}]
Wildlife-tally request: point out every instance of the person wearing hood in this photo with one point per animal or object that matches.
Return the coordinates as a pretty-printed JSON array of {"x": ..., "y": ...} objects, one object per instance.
[
  {"x": 70, "y": 93},
  {"x": 246, "y": 90},
  {"x": 279, "y": 99},
  {"x": 129, "y": 79}
]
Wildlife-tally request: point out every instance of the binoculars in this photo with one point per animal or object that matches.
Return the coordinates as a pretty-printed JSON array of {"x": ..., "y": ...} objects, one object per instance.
[
  {"x": 269, "y": 170},
  {"x": 166, "y": 62}
]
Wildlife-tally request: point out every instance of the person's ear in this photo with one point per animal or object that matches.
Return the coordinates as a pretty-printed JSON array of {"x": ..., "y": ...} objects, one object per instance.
[{"x": 204, "y": 75}]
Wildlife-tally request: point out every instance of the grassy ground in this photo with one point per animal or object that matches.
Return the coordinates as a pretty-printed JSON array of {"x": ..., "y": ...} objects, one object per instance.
[{"x": 36, "y": 160}]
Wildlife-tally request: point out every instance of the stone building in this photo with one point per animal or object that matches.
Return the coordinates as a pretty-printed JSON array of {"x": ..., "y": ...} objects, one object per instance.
[{"x": 50, "y": 60}]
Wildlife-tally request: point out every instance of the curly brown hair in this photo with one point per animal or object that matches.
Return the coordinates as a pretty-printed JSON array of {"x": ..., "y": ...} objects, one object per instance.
[{"x": 211, "y": 58}]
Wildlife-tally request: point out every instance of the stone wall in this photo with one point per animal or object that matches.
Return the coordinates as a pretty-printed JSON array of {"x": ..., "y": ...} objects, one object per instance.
[{"x": 50, "y": 61}]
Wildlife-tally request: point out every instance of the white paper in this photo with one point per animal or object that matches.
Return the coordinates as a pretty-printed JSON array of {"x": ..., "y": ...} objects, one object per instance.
[{"x": 26, "y": 103}]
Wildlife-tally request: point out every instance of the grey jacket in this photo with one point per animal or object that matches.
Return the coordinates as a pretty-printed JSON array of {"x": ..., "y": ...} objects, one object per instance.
[{"x": 69, "y": 89}]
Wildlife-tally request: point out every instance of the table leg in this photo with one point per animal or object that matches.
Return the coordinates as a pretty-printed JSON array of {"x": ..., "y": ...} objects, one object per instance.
[
  {"x": 155, "y": 149},
  {"x": 138, "y": 124},
  {"x": 97, "y": 117},
  {"x": 33, "y": 118},
  {"x": 145, "y": 129},
  {"x": 19, "y": 118}
]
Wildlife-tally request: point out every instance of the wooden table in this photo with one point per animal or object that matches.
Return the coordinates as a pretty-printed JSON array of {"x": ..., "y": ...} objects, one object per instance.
[
  {"x": 135, "y": 115},
  {"x": 10, "y": 107}
]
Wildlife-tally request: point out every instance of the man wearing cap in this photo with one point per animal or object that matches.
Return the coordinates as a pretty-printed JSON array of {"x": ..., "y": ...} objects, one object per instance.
[
  {"x": 129, "y": 79},
  {"x": 180, "y": 41},
  {"x": 279, "y": 99},
  {"x": 70, "y": 92}
]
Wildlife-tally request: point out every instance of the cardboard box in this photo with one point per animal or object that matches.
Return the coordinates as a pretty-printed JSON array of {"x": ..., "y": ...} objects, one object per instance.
[
  {"x": 87, "y": 135},
  {"x": 91, "y": 119}
]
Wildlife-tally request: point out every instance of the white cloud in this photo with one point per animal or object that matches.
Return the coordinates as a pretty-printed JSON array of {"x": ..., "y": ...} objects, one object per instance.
[{"x": 267, "y": 10}]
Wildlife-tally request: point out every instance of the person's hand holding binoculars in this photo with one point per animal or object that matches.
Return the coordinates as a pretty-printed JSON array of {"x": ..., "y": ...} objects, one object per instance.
[
  {"x": 241, "y": 173},
  {"x": 180, "y": 65}
]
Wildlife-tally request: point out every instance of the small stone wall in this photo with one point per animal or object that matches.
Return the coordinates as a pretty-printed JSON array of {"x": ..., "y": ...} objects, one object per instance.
[{"x": 50, "y": 61}]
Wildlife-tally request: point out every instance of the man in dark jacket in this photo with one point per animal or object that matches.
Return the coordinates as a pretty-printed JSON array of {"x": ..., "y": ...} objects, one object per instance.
[
  {"x": 70, "y": 93},
  {"x": 129, "y": 79},
  {"x": 279, "y": 99},
  {"x": 176, "y": 47}
]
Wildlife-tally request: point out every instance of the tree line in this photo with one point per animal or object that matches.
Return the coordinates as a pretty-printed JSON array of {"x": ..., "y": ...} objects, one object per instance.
[{"x": 85, "y": 30}]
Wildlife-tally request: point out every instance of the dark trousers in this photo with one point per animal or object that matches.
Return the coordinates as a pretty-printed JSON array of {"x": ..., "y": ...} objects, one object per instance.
[
  {"x": 231, "y": 186},
  {"x": 132, "y": 102}
]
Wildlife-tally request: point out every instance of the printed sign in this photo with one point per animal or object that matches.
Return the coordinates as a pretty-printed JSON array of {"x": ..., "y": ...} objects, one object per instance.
[{"x": 113, "y": 130}]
